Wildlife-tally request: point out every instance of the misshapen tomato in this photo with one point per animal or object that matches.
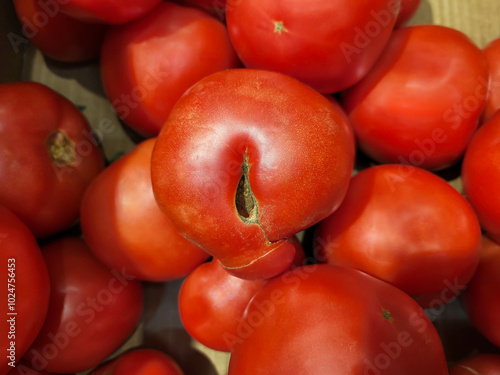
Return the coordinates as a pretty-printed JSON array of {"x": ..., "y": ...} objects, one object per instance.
[
  {"x": 481, "y": 175},
  {"x": 124, "y": 227},
  {"x": 421, "y": 102},
  {"x": 25, "y": 291},
  {"x": 481, "y": 298},
  {"x": 48, "y": 157},
  {"x": 147, "y": 65},
  {"x": 140, "y": 362},
  {"x": 60, "y": 37},
  {"x": 329, "y": 45},
  {"x": 407, "y": 227},
  {"x": 92, "y": 309},
  {"x": 481, "y": 364},
  {"x": 324, "y": 319},
  {"x": 246, "y": 159}
]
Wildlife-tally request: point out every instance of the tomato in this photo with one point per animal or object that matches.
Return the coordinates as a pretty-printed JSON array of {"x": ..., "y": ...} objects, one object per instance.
[
  {"x": 124, "y": 227},
  {"x": 148, "y": 64},
  {"x": 23, "y": 367},
  {"x": 108, "y": 11},
  {"x": 492, "y": 55},
  {"x": 481, "y": 176},
  {"x": 329, "y": 45},
  {"x": 214, "y": 7},
  {"x": 140, "y": 362},
  {"x": 407, "y": 11},
  {"x": 57, "y": 35},
  {"x": 92, "y": 309},
  {"x": 482, "y": 296},
  {"x": 421, "y": 102},
  {"x": 25, "y": 290},
  {"x": 48, "y": 156},
  {"x": 246, "y": 159},
  {"x": 407, "y": 227},
  {"x": 324, "y": 319},
  {"x": 212, "y": 302},
  {"x": 481, "y": 364}
]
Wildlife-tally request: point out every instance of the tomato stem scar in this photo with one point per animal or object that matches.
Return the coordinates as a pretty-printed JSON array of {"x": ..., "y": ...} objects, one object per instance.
[
  {"x": 279, "y": 27},
  {"x": 387, "y": 315},
  {"x": 60, "y": 148}
]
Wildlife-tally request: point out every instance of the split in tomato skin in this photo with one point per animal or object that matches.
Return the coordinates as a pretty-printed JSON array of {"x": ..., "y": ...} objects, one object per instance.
[
  {"x": 246, "y": 160},
  {"x": 48, "y": 157}
]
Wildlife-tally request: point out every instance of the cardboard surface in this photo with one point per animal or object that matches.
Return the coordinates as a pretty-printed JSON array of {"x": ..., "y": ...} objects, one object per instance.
[{"x": 161, "y": 327}]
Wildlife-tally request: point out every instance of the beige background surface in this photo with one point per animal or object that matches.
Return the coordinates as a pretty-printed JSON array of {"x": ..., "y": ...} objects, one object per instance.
[{"x": 479, "y": 19}]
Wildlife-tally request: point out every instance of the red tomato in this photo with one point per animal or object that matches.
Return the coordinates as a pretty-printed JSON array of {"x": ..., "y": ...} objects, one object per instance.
[
  {"x": 48, "y": 157},
  {"x": 212, "y": 302},
  {"x": 407, "y": 227},
  {"x": 92, "y": 309},
  {"x": 324, "y": 319},
  {"x": 148, "y": 64},
  {"x": 482, "y": 296},
  {"x": 214, "y": 7},
  {"x": 124, "y": 227},
  {"x": 481, "y": 364},
  {"x": 108, "y": 11},
  {"x": 481, "y": 176},
  {"x": 492, "y": 55},
  {"x": 23, "y": 367},
  {"x": 329, "y": 45},
  {"x": 57, "y": 35},
  {"x": 140, "y": 362},
  {"x": 25, "y": 290},
  {"x": 247, "y": 159},
  {"x": 407, "y": 11},
  {"x": 421, "y": 102}
]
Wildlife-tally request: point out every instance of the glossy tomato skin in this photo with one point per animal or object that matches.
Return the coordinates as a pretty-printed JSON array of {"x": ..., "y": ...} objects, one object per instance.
[
  {"x": 48, "y": 157},
  {"x": 483, "y": 364},
  {"x": 60, "y": 37},
  {"x": 212, "y": 302},
  {"x": 481, "y": 298},
  {"x": 269, "y": 35},
  {"x": 125, "y": 228},
  {"x": 140, "y": 362},
  {"x": 492, "y": 55},
  {"x": 247, "y": 159},
  {"x": 113, "y": 12},
  {"x": 407, "y": 227},
  {"x": 324, "y": 319},
  {"x": 481, "y": 176},
  {"x": 421, "y": 102},
  {"x": 26, "y": 290},
  {"x": 148, "y": 64},
  {"x": 89, "y": 303},
  {"x": 407, "y": 11}
]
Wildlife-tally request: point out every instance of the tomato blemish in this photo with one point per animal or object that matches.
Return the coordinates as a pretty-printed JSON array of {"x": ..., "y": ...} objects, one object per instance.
[
  {"x": 279, "y": 27},
  {"x": 387, "y": 315},
  {"x": 60, "y": 148}
]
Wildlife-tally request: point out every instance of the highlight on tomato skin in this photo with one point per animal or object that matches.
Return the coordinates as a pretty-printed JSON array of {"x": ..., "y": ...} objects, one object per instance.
[
  {"x": 406, "y": 226},
  {"x": 483, "y": 364},
  {"x": 324, "y": 319},
  {"x": 212, "y": 302},
  {"x": 247, "y": 159},
  {"x": 139, "y": 361},
  {"x": 146, "y": 65},
  {"x": 480, "y": 175},
  {"x": 124, "y": 227},
  {"x": 421, "y": 102}
]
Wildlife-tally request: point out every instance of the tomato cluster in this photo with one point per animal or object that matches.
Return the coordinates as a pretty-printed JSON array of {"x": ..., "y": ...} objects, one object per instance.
[{"x": 292, "y": 170}]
